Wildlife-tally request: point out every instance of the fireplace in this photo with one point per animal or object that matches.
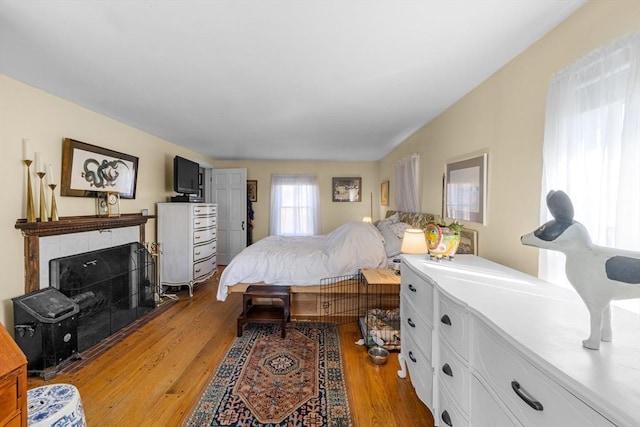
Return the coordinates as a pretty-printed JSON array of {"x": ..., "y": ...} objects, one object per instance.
[{"x": 112, "y": 287}]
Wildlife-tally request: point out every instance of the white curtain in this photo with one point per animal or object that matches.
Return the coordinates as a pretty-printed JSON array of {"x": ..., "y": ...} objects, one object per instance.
[
  {"x": 406, "y": 173},
  {"x": 294, "y": 205},
  {"x": 592, "y": 148}
]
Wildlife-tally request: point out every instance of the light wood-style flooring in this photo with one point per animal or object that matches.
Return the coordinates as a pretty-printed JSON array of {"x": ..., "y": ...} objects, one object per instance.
[{"x": 155, "y": 376}]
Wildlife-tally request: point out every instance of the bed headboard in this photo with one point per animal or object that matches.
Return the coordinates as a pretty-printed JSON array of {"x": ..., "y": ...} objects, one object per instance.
[{"x": 417, "y": 220}]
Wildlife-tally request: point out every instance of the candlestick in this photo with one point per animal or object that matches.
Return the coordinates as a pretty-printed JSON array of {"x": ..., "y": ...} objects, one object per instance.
[
  {"x": 31, "y": 212},
  {"x": 54, "y": 208},
  {"x": 49, "y": 174},
  {"x": 43, "y": 201},
  {"x": 38, "y": 163},
  {"x": 26, "y": 151}
]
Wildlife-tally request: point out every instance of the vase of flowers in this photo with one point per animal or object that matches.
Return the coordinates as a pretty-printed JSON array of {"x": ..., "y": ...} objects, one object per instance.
[{"x": 443, "y": 240}]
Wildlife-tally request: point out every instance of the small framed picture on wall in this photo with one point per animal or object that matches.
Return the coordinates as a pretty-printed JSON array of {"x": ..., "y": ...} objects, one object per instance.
[
  {"x": 384, "y": 193},
  {"x": 252, "y": 190}
]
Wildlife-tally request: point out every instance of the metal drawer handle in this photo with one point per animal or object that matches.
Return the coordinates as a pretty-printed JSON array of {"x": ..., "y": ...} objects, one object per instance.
[
  {"x": 411, "y": 288},
  {"x": 198, "y": 270},
  {"x": 445, "y": 319},
  {"x": 446, "y": 418},
  {"x": 447, "y": 369},
  {"x": 410, "y": 322},
  {"x": 528, "y": 399},
  {"x": 412, "y": 357}
]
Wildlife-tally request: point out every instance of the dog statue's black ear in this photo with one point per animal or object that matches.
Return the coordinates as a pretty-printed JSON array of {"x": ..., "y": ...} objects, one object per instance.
[{"x": 560, "y": 206}]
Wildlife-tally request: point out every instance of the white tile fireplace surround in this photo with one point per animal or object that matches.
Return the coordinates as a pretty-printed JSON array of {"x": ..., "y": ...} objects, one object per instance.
[
  {"x": 52, "y": 247},
  {"x": 44, "y": 241}
]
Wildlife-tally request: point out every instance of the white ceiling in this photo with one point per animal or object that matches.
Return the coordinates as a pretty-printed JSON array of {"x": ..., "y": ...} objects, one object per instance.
[{"x": 292, "y": 79}]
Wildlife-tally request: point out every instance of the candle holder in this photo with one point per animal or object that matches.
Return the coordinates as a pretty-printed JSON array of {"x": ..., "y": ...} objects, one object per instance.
[
  {"x": 31, "y": 212},
  {"x": 43, "y": 201},
  {"x": 54, "y": 208}
]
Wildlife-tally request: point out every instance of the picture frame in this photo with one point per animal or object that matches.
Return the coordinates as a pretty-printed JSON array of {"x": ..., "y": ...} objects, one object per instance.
[
  {"x": 384, "y": 193},
  {"x": 252, "y": 190},
  {"x": 468, "y": 242},
  {"x": 346, "y": 189},
  {"x": 88, "y": 169},
  {"x": 465, "y": 189}
]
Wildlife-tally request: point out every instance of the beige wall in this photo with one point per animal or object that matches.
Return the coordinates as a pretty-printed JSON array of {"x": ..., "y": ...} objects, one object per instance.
[
  {"x": 504, "y": 116},
  {"x": 26, "y": 112},
  {"x": 332, "y": 214}
]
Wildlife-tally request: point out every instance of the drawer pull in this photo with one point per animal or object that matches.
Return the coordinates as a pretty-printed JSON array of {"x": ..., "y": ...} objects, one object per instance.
[
  {"x": 445, "y": 319},
  {"x": 522, "y": 394},
  {"x": 446, "y": 418},
  {"x": 410, "y": 322},
  {"x": 412, "y": 357},
  {"x": 447, "y": 369},
  {"x": 411, "y": 288}
]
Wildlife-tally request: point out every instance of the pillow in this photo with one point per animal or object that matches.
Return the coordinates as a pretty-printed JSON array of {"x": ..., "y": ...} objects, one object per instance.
[
  {"x": 388, "y": 221},
  {"x": 391, "y": 242},
  {"x": 398, "y": 229}
]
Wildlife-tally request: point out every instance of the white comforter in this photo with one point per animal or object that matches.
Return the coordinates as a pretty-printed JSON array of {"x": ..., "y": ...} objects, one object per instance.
[{"x": 304, "y": 261}]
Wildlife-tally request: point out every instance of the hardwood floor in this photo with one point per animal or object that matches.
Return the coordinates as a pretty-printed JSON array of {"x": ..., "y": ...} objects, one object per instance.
[{"x": 155, "y": 376}]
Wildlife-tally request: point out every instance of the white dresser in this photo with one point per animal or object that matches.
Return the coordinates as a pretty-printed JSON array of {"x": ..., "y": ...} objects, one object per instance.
[
  {"x": 187, "y": 233},
  {"x": 486, "y": 345}
]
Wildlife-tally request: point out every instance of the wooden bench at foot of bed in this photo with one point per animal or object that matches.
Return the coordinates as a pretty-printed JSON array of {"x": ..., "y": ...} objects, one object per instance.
[
  {"x": 336, "y": 299},
  {"x": 306, "y": 301}
]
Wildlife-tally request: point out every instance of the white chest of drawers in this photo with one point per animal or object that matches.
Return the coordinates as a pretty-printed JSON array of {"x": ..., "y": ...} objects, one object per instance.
[
  {"x": 505, "y": 349},
  {"x": 187, "y": 233}
]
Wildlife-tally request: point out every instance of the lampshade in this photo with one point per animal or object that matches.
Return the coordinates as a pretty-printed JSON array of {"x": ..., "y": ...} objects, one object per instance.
[
  {"x": 367, "y": 219},
  {"x": 414, "y": 242}
]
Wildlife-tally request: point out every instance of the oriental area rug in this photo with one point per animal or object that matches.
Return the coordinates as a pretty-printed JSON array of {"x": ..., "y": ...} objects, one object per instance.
[{"x": 266, "y": 380}]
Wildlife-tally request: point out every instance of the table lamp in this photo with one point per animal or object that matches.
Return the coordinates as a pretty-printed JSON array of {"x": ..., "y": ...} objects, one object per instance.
[{"x": 414, "y": 242}]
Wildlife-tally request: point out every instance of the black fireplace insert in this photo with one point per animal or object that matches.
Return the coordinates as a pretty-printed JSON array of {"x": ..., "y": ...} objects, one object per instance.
[{"x": 112, "y": 287}]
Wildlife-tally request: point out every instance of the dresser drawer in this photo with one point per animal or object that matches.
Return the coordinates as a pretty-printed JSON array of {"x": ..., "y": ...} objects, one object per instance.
[
  {"x": 454, "y": 375},
  {"x": 420, "y": 369},
  {"x": 204, "y": 268},
  {"x": 516, "y": 382},
  {"x": 203, "y": 222},
  {"x": 201, "y": 236},
  {"x": 449, "y": 413},
  {"x": 485, "y": 411},
  {"x": 454, "y": 325},
  {"x": 204, "y": 251},
  {"x": 200, "y": 210},
  {"x": 417, "y": 290},
  {"x": 415, "y": 324}
]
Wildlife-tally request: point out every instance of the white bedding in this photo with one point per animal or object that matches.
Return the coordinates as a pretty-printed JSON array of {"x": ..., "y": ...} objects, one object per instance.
[{"x": 305, "y": 261}]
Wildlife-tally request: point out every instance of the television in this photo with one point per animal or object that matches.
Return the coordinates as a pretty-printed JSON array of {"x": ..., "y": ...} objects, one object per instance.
[{"x": 185, "y": 176}]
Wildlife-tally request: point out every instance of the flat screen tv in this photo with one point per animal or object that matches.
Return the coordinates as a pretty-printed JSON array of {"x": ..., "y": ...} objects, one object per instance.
[{"x": 185, "y": 176}]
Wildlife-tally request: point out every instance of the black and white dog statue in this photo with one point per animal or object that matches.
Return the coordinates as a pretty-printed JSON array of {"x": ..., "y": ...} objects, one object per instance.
[{"x": 598, "y": 274}]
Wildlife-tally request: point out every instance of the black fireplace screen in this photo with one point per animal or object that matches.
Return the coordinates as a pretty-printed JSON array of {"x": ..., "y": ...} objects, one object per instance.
[{"x": 112, "y": 287}]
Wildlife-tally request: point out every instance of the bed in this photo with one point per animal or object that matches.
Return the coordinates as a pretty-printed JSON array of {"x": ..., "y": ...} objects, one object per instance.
[{"x": 304, "y": 263}]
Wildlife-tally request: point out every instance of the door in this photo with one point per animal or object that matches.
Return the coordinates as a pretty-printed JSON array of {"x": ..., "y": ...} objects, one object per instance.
[{"x": 229, "y": 191}]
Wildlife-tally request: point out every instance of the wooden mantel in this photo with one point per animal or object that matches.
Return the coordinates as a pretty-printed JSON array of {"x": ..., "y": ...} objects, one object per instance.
[{"x": 32, "y": 231}]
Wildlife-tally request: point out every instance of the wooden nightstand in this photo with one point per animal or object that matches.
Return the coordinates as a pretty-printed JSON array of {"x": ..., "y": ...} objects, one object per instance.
[{"x": 13, "y": 382}]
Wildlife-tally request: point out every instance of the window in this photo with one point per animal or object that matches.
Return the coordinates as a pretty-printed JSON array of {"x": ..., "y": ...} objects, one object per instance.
[
  {"x": 592, "y": 148},
  {"x": 405, "y": 186},
  {"x": 294, "y": 205}
]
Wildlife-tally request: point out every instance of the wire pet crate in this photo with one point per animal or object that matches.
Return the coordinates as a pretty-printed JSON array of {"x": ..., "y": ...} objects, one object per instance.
[{"x": 341, "y": 299}]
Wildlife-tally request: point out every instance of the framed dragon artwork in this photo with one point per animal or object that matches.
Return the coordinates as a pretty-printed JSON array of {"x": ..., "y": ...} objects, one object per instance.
[{"x": 88, "y": 170}]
